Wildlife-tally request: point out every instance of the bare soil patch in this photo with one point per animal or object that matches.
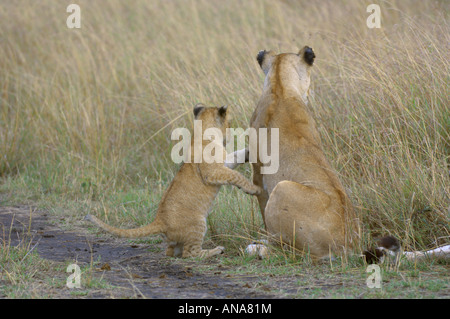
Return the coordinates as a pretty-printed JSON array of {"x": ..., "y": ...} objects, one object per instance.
[
  {"x": 128, "y": 270},
  {"x": 118, "y": 268}
]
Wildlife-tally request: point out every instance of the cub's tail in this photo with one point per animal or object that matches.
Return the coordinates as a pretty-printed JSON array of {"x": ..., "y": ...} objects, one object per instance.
[{"x": 150, "y": 229}]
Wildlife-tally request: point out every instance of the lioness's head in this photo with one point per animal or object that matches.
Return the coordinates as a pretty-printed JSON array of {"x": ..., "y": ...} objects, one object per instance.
[{"x": 291, "y": 68}]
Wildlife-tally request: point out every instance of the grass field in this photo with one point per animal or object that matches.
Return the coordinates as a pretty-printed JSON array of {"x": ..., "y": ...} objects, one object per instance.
[{"x": 86, "y": 114}]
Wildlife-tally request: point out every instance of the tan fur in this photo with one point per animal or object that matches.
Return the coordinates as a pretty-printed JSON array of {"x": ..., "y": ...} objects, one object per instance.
[
  {"x": 182, "y": 212},
  {"x": 303, "y": 203}
]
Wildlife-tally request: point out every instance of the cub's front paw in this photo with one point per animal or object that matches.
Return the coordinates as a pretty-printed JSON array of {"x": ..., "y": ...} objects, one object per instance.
[{"x": 256, "y": 191}]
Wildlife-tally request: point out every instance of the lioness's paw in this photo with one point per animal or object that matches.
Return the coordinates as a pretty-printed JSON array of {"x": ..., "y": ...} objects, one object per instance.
[{"x": 255, "y": 249}]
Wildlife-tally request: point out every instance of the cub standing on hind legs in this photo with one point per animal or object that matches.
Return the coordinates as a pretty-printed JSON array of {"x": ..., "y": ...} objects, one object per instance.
[{"x": 182, "y": 212}]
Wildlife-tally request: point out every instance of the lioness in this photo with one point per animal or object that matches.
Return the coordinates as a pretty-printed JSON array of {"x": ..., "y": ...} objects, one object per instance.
[
  {"x": 186, "y": 203},
  {"x": 303, "y": 203}
]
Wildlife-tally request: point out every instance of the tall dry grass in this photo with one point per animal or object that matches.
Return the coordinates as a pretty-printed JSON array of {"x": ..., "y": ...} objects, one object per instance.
[{"x": 96, "y": 105}]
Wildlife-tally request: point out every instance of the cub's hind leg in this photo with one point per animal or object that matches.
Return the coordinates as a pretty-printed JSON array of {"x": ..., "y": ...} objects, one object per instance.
[
  {"x": 194, "y": 249},
  {"x": 174, "y": 249},
  {"x": 193, "y": 241}
]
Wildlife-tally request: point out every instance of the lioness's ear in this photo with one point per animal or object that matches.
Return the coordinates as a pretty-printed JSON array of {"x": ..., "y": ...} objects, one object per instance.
[
  {"x": 223, "y": 110},
  {"x": 308, "y": 55},
  {"x": 260, "y": 57},
  {"x": 198, "y": 108},
  {"x": 265, "y": 59}
]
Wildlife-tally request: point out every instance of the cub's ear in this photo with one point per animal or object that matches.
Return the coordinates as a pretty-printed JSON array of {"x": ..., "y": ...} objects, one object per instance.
[
  {"x": 198, "y": 108},
  {"x": 223, "y": 110},
  {"x": 308, "y": 55}
]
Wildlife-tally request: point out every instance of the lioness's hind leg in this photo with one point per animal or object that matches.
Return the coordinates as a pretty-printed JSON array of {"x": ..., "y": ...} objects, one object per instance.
[{"x": 302, "y": 216}]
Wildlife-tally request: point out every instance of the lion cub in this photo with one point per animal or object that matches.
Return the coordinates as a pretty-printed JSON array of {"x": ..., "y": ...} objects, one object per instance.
[{"x": 182, "y": 212}]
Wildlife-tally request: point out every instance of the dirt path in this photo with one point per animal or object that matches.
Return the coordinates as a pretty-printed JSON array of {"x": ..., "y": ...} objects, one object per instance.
[
  {"x": 118, "y": 268},
  {"x": 131, "y": 270}
]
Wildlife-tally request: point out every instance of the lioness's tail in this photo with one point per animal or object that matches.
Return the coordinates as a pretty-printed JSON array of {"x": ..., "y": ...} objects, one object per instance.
[
  {"x": 150, "y": 229},
  {"x": 391, "y": 246}
]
